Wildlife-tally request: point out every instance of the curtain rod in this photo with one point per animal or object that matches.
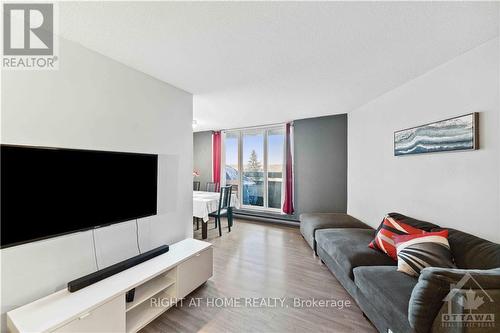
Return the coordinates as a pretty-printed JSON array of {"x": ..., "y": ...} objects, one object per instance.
[{"x": 256, "y": 127}]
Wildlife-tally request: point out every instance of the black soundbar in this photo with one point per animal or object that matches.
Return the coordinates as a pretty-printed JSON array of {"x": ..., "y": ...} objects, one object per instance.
[{"x": 101, "y": 274}]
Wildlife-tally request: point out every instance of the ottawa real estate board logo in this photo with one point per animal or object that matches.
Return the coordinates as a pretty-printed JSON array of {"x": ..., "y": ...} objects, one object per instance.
[
  {"x": 29, "y": 40},
  {"x": 468, "y": 306}
]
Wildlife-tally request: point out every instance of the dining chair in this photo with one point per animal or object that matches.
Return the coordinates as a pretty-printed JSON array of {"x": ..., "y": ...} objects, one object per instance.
[
  {"x": 196, "y": 185},
  {"x": 223, "y": 208},
  {"x": 234, "y": 189},
  {"x": 212, "y": 187}
]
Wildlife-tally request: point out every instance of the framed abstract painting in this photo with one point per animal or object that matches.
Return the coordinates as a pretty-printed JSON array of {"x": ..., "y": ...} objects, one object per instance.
[{"x": 459, "y": 133}]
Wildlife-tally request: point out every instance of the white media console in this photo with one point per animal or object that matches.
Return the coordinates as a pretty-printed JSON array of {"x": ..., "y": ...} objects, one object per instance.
[{"x": 101, "y": 307}]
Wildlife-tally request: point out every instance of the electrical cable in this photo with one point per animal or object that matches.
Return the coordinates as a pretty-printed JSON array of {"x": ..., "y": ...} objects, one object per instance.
[
  {"x": 137, "y": 235},
  {"x": 95, "y": 251}
]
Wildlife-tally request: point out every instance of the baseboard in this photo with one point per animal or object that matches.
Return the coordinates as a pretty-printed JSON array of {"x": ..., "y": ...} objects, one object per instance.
[{"x": 266, "y": 218}]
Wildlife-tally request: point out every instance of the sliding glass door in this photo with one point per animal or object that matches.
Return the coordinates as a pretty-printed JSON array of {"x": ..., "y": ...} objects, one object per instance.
[{"x": 258, "y": 154}]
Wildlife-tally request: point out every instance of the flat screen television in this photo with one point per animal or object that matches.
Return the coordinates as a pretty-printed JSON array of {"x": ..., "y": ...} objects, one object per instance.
[{"x": 46, "y": 192}]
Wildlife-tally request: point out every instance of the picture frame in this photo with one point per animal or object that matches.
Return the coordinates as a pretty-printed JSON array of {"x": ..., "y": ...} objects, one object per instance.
[{"x": 453, "y": 134}]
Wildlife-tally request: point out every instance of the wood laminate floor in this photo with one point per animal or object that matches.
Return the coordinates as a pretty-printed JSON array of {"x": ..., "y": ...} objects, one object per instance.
[{"x": 255, "y": 262}]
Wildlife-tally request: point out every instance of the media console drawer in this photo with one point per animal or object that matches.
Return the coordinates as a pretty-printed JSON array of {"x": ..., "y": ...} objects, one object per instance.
[
  {"x": 109, "y": 317},
  {"x": 194, "y": 272}
]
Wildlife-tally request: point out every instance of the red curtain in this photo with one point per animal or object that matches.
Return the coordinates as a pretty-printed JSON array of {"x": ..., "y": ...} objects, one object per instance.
[
  {"x": 216, "y": 158},
  {"x": 288, "y": 203}
]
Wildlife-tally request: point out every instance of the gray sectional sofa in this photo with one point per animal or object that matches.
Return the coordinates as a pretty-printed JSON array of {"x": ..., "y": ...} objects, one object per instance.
[{"x": 396, "y": 302}]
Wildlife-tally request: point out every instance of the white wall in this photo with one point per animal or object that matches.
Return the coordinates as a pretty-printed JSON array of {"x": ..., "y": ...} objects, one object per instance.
[
  {"x": 93, "y": 102},
  {"x": 456, "y": 189}
]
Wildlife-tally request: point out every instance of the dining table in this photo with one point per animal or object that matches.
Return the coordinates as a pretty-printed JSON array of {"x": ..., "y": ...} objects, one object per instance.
[{"x": 205, "y": 203}]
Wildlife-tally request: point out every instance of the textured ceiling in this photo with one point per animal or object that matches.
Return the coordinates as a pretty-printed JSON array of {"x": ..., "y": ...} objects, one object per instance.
[{"x": 266, "y": 62}]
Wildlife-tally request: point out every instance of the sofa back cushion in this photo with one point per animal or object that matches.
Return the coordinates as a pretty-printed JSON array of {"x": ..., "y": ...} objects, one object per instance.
[
  {"x": 426, "y": 226},
  {"x": 471, "y": 252}
]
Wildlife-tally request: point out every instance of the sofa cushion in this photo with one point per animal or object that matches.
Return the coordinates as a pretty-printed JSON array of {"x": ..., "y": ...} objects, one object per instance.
[
  {"x": 310, "y": 222},
  {"x": 348, "y": 248},
  {"x": 339, "y": 273},
  {"x": 388, "y": 291},
  {"x": 471, "y": 252}
]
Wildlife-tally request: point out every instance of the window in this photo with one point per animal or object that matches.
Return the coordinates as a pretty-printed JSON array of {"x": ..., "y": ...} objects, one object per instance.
[{"x": 258, "y": 154}]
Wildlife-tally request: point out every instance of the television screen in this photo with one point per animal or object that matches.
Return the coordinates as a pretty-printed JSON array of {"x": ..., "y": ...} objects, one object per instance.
[{"x": 51, "y": 191}]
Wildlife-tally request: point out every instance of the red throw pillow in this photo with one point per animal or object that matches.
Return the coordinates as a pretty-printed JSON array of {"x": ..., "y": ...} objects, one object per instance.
[
  {"x": 404, "y": 238},
  {"x": 389, "y": 228}
]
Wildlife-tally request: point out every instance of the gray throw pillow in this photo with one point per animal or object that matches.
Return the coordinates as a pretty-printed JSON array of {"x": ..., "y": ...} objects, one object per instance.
[{"x": 416, "y": 252}]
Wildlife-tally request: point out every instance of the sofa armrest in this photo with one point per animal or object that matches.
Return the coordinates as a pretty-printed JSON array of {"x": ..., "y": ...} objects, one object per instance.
[
  {"x": 437, "y": 287},
  {"x": 453, "y": 317}
]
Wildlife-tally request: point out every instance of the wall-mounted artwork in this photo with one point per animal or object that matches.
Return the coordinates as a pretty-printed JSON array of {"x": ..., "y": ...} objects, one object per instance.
[{"x": 459, "y": 133}]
